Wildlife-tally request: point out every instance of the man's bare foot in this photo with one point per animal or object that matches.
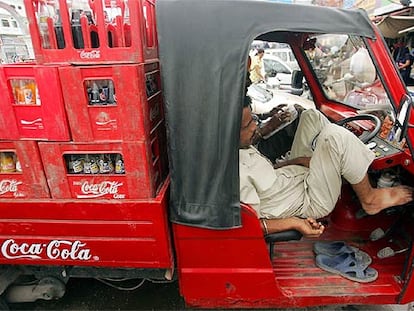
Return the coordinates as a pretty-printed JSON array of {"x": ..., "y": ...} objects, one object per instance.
[{"x": 382, "y": 198}]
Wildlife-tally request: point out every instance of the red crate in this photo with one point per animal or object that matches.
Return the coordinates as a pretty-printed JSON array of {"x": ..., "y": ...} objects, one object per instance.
[
  {"x": 106, "y": 103},
  {"x": 21, "y": 171},
  {"x": 32, "y": 105},
  {"x": 67, "y": 178},
  {"x": 94, "y": 31}
]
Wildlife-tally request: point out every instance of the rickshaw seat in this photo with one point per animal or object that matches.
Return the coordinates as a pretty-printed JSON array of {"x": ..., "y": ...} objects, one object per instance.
[{"x": 270, "y": 239}]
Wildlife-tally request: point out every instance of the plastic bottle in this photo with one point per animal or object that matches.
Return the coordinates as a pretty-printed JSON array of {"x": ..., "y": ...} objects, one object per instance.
[
  {"x": 94, "y": 165},
  {"x": 38, "y": 101},
  {"x": 94, "y": 94},
  {"x": 7, "y": 162},
  {"x": 111, "y": 92},
  {"x": 43, "y": 15},
  {"x": 29, "y": 92},
  {"x": 87, "y": 165},
  {"x": 119, "y": 164},
  {"x": 60, "y": 38},
  {"x": 77, "y": 37}
]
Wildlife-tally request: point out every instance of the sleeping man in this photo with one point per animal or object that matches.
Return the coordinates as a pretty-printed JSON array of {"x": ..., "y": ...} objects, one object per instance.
[{"x": 308, "y": 185}]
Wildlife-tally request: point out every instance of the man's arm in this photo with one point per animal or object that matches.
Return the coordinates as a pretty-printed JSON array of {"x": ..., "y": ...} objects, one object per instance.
[{"x": 309, "y": 227}]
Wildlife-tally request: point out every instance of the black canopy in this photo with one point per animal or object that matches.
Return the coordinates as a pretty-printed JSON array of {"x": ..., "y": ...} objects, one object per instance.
[{"x": 203, "y": 54}]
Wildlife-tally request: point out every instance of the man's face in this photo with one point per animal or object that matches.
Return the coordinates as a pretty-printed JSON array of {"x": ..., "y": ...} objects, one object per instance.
[{"x": 248, "y": 129}]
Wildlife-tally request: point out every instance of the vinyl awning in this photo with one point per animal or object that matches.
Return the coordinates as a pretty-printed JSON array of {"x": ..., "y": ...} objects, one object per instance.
[{"x": 394, "y": 26}]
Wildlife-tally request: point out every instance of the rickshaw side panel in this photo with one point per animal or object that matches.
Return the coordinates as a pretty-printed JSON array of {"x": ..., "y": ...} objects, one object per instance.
[
  {"x": 86, "y": 233},
  {"x": 216, "y": 268}
]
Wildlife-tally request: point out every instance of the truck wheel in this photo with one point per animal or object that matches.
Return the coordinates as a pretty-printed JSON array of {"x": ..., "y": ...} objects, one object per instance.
[{"x": 3, "y": 305}]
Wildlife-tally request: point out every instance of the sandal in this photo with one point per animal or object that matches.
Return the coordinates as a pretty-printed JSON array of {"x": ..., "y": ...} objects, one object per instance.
[
  {"x": 347, "y": 266},
  {"x": 339, "y": 247}
]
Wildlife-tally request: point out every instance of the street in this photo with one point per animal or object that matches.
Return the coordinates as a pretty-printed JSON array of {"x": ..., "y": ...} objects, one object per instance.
[{"x": 90, "y": 294}]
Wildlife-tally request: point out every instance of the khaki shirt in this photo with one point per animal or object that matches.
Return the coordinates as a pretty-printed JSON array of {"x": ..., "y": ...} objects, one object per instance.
[{"x": 272, "y": 193}]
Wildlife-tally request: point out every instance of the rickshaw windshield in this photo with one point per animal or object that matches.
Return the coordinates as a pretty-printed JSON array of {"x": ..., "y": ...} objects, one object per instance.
[{"x": 346, "y": 71}]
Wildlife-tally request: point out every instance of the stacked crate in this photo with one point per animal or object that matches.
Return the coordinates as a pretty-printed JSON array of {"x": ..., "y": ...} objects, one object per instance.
[{"x": 95, "y": 117}]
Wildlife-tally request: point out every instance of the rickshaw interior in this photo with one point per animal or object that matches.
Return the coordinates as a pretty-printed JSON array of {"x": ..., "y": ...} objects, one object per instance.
[{"x": 343, "y": 83}]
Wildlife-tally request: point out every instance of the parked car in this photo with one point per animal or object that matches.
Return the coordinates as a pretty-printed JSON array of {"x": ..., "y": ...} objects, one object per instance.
[
  {"x": 277, "y": 71},
  {"x": 264, "y": 100},
  {"x": 286, "y": 55}
]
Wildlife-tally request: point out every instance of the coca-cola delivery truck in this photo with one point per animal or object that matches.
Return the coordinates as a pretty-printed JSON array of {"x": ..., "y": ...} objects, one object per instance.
[{"x": 119, "y": 153}]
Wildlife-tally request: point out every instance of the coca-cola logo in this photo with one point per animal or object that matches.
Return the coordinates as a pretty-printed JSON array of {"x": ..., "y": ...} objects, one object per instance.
[
  {"x": 55, "y": 249},
  {"x": 105, "y": 188},
  {"x": 9, "y": 186},
  {"x": 90, "y": 54}
]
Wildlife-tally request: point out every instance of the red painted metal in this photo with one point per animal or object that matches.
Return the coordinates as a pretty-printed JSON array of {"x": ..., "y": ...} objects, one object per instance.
[
  {"x": 106, "y": 233},
  {"x": 236, "y": 272},
  {"x": 32, "y": 105},
  {"x": 137, "y": 111},
  {"x": 130, "y": 37},
  {"x": 141, "y": 179},
  {"x": 30, "y": 182},
  {"x": 121, "y": 220}
]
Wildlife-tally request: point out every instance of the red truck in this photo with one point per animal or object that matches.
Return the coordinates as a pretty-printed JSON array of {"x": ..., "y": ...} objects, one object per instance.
[{"x": 119, "y": 152}]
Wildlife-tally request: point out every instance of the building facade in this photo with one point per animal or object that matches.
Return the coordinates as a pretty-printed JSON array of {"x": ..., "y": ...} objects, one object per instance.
[{"x": 15, "y": 42}]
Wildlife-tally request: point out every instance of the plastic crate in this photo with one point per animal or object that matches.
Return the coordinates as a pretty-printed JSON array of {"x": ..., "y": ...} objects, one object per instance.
[
  {"x": 21, "y": 171},
  {"x": 110, "y": 170},
  {"x": 32, "y": 103},
  {"x": 94, "y": 31},
  {"x": 112, "y": 103}
]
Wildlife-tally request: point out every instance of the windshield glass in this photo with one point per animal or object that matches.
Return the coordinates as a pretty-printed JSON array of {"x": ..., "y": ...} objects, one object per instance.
[{"x": 344, "y": 68}]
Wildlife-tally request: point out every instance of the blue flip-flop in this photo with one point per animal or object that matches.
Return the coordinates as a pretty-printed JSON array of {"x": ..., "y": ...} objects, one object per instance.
[
  {"x": 347, "y": 266},
  {"x": 334, "y": 248}
]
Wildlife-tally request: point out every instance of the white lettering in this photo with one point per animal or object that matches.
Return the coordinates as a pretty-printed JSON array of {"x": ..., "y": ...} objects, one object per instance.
[
  {"x": 99, "y": 190},
  {"x": 12, "y": 250},
  {"x": 91, "y": 54},
  {"x": 56, "y": 249},
  {"x": 73, "y": 250},
  {"x": 9, "y": 185}
]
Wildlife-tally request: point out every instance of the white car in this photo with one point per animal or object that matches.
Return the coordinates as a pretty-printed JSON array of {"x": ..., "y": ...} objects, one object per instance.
[
  {"x": 286, "y": 55},
  {"x": 264, "y": 100},
  {"x": 278, "y": 73}
]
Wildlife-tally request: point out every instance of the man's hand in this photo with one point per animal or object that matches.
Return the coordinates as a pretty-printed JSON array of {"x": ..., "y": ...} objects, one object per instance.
[
  {"x": 304, "y": 161},
  {"x": 310, "y": 228},
  {"x": 277, "y": 120},
  {"x": 278, "y": 108}
]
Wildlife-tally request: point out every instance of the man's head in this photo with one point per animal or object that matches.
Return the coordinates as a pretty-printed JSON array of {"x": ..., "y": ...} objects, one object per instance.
[{"x": 248, "y": 129}]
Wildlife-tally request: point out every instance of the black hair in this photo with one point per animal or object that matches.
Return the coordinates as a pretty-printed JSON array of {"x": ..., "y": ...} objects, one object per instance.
[
  {"x": 259, "y": 51},
  {"x": 247, "y": 102}
]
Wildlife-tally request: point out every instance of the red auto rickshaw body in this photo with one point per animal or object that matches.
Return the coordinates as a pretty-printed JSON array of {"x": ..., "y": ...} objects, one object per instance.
[{"x": 142, "y": 182}]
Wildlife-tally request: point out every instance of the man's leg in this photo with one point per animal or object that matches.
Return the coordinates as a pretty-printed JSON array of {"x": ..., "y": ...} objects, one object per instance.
[
  {"x": 374, "y": 200},
  {"x": 339, "y": 153},
  {"x": 310, "y": 125}
]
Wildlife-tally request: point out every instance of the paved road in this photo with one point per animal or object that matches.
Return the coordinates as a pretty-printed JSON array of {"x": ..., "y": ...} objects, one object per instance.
[{"x": 89, "y": 294}]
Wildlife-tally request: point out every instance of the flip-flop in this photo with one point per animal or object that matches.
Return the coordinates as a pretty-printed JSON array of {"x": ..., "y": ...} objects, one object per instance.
[
  {"x": 346, "y": 266},
  {"x": 335, "y": 248}
]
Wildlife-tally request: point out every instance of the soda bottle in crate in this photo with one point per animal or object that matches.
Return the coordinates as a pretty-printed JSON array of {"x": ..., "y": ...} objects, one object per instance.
[
  {"x": 98, "y": 31},
  {"x": 32, "y": 103},
  {"x": 21, "y": 171}
]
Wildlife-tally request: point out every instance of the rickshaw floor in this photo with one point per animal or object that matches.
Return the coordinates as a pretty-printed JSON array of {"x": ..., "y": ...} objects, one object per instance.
[{"x": 296, "y": 272}]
